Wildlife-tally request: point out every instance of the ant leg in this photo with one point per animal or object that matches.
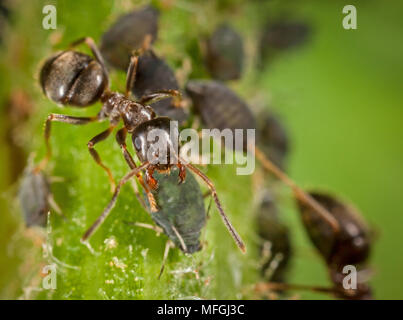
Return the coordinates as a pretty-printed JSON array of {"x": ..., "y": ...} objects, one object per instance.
[
  {"x": 160, "y": 95},
  {"x": 58, "y": 118},
  {"x": 131, "y": 72},
  {"x": 121, "y": 140},
  {"x": 168, "y": 246},
  {"x": 151, "y": 182},
  {"x": 111, "y": 203},
  {"x": 98, "y": 138},
  {"x": 224, "y": 217},
  {"x": 94, "y": 49}
]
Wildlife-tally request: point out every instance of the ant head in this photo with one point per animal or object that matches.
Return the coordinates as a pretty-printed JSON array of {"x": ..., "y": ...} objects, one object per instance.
[
  {"x": 153, "y": 142},
  {"x": 350, "y": 245},
  {"x": 73, "y": 78}
]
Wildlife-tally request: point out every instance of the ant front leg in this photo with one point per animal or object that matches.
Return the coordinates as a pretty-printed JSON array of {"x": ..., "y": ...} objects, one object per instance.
[
  {"x": 58, "y": 118},
  {"x": 121, "y": 140},
  {"x": 98, "y": 138},
  {"x": 150, "y": 179}
]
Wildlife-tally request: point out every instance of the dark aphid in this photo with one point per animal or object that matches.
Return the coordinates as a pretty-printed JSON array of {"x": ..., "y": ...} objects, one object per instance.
[
  {"x": 33, "y": 196},
  {"x": 219, "y": 107},
  {"x": 181, "y": 212},
  {"x": 282, "y": 36},
  {"x": 225, "y": 54},
  {"x": 351, "y": 245},
  {"x": 18, "y": 108},
  {"x": 72, "y": 78},
  {"x": 129, "y": 33},
  {"x": 276, "y": 248},
  {"x": 154, "y": 74},
  {"x": 273, "y": 139}
]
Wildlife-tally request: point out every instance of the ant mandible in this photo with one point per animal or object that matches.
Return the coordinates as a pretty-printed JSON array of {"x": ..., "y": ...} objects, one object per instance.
[{"x": 75, "y": 79}]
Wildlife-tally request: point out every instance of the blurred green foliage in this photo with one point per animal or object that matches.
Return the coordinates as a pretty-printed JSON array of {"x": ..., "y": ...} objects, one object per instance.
[{"x": 339, "y": 96}]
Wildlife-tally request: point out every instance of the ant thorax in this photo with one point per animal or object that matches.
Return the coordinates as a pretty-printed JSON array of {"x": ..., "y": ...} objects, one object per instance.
[{"x": 116, "y": 106}]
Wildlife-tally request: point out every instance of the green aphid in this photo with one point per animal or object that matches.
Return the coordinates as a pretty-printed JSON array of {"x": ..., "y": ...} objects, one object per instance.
[{"x": 182, "y": 213}]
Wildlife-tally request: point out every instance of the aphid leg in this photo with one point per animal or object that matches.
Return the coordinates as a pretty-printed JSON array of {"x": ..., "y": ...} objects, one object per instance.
[
  {"x": 168, "y": 246},
  {"x": 298, "y": 192},
  {"x": 157, "y": 229},
  {"x": 53, "y": 204},
  {"x": 182, "y": 242},
  {"x": 58, "y": 118},
  {"x": 112, "y": 203},
  {"x": 98, "y": 138},
  {"x": 224, "y": 217},
  {"x": 94, "y": 49},
  {"x": 121, "y": 140},
  {"x": 281, "y": 286},
  {"x": 159, "y": 95}
]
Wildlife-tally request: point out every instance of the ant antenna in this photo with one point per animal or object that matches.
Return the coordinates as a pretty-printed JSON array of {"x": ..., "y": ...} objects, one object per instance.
[
  {"x": 298, "y": 192},
  {"x": 112, "y": 203},
  {"x": 224, "y": 217}
]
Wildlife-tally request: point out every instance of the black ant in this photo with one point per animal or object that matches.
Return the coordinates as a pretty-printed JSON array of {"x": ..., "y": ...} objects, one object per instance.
[{"x": 76, "y": 79}]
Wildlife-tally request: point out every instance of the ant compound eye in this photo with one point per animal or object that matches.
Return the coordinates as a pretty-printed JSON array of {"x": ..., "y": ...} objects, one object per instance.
[{"x": 137, "y": 143}]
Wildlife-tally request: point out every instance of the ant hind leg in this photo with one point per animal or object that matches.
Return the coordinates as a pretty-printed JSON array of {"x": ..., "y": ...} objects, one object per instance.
[{"x": 59, "y": 118}]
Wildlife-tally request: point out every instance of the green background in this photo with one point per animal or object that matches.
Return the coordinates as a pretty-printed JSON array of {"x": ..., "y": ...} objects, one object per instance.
[{"x": 340, "y": 97}]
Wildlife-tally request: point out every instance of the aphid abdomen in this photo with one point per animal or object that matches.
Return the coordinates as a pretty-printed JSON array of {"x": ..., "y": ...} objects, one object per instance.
[
  {"x": 180, "y": 206},
  {"x": 219, "y": 107},
  {"x": 73, "y": 78},
  {"x": 225, "y": 54},
  {"x": 153, "y": 74},
  {"x": 33, "y": 197},
  {"x": 351, "y": 245},
  {"x": 128, "y": 33},
  {"x": 273, "y": 231},
  {"x": 273, "y": 139}
]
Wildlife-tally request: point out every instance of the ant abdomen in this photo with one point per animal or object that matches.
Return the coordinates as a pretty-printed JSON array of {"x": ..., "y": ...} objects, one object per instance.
[{"x": 73, "y": 78}]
